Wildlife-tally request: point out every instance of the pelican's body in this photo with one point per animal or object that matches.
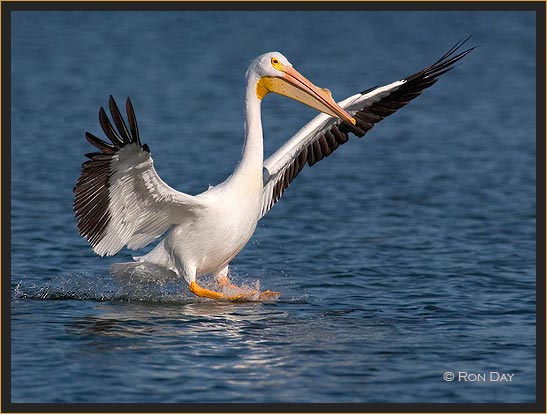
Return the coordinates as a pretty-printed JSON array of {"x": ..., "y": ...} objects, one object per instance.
[
  {"x": 121, "y": 201},
  {"x": 209, "y": 241}
]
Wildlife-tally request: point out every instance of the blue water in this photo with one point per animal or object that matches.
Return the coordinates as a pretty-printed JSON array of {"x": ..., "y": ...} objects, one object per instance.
[{"x": 403, "y": 256}]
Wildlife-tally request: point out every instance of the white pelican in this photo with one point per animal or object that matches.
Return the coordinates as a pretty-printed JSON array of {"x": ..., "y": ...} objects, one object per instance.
[{"x": 121, "y": 201}]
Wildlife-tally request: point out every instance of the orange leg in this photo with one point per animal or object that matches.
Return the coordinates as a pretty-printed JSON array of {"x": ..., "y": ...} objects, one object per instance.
[
  {"x": 206, "y": 293},
  {"x": 224, "y": 281}
]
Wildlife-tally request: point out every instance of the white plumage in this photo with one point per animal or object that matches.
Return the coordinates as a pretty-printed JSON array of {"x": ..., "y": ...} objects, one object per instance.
[{"x": 121, "y": 201}]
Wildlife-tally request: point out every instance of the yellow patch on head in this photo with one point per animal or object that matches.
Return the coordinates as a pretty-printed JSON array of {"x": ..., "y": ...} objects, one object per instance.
[
  {"x": 276, "y": 63},
  {"x": 268, "y": 84},
  {"x": 262, "y": 88}
]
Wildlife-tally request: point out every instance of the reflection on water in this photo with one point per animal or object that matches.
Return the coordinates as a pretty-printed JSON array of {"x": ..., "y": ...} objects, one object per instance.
[
  {"x": 256, "y": 340},
  {"x": 129, "y": 320}
]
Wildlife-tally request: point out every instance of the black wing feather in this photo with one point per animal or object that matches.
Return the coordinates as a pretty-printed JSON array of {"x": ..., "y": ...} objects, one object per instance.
[
  {"x": 91, "y": 192},
  {"x": 99, "y": 143},
  {"x": 133, "y": 121},
  {"x": 367, "y": 117},
  {"x": 118, "y": 120}
]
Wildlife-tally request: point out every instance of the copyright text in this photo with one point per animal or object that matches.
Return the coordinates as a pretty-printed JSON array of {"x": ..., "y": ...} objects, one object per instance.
[{"x": 490, "y": 376}]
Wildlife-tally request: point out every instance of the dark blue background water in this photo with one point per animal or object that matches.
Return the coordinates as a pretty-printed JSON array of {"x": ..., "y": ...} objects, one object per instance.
[{"x": 402, "y": 256}]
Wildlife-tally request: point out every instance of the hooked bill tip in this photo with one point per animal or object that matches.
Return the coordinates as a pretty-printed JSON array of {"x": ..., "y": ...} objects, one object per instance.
[{"x": 353, "y": 121}]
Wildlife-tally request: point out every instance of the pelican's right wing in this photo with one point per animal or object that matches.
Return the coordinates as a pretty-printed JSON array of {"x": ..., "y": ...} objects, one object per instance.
[
  {"x": 324, "y": 134},
  {"x": 119, "y": 199}
]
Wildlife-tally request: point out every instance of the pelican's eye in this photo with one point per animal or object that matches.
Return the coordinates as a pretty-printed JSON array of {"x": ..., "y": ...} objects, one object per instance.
[{"x": 277, "y": 64}]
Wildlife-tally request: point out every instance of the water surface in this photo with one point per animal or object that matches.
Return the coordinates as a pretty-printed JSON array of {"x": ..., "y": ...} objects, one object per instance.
[{"x": 403, "y": 256}]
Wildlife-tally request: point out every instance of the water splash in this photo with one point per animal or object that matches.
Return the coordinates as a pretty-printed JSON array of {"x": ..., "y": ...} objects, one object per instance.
[
  {"x": 72, "y": 286},
  {"x": 85, "y": 286}
]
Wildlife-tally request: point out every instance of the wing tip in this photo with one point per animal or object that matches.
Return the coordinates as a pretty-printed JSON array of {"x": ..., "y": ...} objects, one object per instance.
[{"x": 121, "y": 135}]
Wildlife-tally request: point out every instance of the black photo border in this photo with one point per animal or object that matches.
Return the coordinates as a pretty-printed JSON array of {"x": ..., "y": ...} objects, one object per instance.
[{"x": 7, "y": 7}]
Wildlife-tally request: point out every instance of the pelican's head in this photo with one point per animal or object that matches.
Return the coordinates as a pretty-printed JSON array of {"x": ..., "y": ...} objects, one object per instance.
[{"x": 272, "y": 72}]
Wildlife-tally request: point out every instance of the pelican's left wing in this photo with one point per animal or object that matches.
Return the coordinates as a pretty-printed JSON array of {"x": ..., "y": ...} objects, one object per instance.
[
  {"x": 119, "y": 199},
  {"x": 324, "y": 134}
]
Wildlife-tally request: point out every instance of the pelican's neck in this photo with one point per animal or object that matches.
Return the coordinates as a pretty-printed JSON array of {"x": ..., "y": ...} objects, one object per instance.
[{"x": 253, "y": 148}]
